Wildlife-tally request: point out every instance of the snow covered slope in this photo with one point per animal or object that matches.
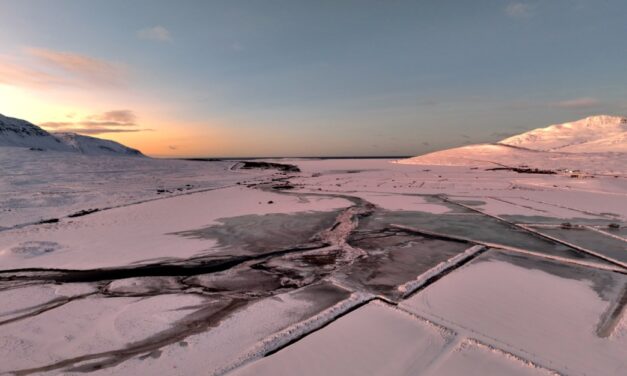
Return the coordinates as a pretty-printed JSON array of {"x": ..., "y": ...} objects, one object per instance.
[
  {"x": 615, "y": 143},
  {"x": 597, "y": 144},
  {"x": 600, "y": 133},
  {"x": 497, "y": 155},
  {"x": 478, "y": 155},
  {"x": 94, "y": 146},
  {"x": 21, "y": 133}
]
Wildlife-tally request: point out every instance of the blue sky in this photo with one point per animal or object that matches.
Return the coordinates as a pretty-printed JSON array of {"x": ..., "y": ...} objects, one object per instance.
[{"x": 227, "y": 78}]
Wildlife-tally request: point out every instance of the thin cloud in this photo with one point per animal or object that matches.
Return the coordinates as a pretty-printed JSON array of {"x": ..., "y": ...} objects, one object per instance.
[
  {"x": 156, "y": 33},
  {"x": 96, "y": 131},
  {"x": 576, "y": 103},
  {"x": 39, "y": 68},
  {"x": 75, "y": 67},
  {"x": 57, "y": 124},
  {"x": 518, "y": 10},
  {"x": 116, "y": 121},
  {"x": 121, "y": 117},
  {"x": 85, "y": 123},
  {"x": 16, "y": 74}
]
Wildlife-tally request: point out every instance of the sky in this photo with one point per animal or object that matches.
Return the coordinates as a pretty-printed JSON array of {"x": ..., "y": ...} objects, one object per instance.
[{"x": 309, "y": 78}]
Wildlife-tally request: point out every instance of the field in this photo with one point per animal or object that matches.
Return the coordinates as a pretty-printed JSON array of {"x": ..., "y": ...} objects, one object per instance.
[{"x": 121, "y": 265}]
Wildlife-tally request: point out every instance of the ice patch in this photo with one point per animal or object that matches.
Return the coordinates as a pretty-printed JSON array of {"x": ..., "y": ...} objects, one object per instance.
[{"x": 35, "y": 248}]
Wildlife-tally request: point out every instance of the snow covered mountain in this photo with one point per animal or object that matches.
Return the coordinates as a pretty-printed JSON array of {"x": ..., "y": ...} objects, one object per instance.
[
  {"x": 594, "y": 144},
  {"x": 594, "y": 134},
  {"x": 21, "y": 133}
]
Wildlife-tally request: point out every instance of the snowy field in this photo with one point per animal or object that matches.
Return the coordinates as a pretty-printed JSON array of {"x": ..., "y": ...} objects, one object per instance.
[{"x": 122, "y": 265}]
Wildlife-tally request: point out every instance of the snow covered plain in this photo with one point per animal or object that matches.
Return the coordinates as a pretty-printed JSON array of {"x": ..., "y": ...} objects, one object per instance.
[{"x": 359, "y": 266}]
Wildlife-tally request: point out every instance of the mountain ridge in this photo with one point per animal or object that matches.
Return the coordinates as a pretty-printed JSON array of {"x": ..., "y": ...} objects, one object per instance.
[{"x": 16, "y": 132}]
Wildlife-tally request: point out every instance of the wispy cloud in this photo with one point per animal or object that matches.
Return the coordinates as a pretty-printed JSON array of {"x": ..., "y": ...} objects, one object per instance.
[
  {"x": 82, "y": 67},
  {"x": 43, "y": 68},
  {"x": 84, "y": 123},
  {"x": 585, "y": 102},
  {"x": 17, "y": 74},
  {"x": 518, "y": 10},
  {"x": 116, "y": 121},
  {"x": 97, "y": 131},
  {"x": 155, "y": 33},
  {"x": 118, "y": 117}
]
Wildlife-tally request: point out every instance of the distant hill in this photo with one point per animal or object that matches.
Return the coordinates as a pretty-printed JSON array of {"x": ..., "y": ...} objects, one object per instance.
[
  {"x": 94, "y": 146},
  {"x": 596, "y": 143},
  {"x": 594, "y": 134},
  {"x": 21, "y": 133}
]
